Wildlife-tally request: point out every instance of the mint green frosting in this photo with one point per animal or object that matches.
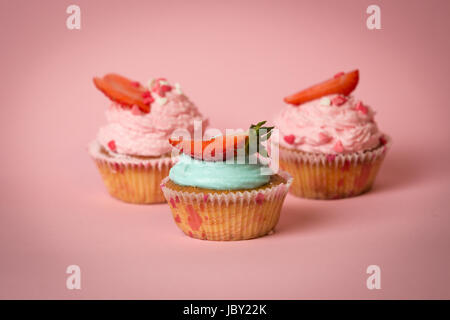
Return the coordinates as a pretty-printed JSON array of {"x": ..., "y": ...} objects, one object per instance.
[{"x": 218, "y": 175}]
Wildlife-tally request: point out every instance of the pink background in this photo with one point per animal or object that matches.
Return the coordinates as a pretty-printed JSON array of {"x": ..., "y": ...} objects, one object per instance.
[{"x": 236, "y": 60}]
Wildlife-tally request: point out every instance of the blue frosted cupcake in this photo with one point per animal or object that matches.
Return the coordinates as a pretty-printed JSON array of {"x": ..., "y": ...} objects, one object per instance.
[{"x": 215, "y": 194}]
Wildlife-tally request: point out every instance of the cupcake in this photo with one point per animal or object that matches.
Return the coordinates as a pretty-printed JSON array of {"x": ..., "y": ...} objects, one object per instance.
[
  {"x": 329, "y": 140},
  {"x": 224, "y": 189},
  {"x": 132, "y": 151}
]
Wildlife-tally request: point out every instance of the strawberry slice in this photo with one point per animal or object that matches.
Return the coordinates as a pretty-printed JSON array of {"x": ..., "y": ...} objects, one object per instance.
[
  {"x": 218, "y": 147},
  {"x": 123, "y": 91},
  {"x": 341, "y": 84}
]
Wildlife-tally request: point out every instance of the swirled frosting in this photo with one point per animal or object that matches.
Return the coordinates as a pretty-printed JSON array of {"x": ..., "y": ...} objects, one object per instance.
[
  {"x": 332, "y": 125},
  {"x": 147, "y": 134},
  {"x": 218, "y": 175}
]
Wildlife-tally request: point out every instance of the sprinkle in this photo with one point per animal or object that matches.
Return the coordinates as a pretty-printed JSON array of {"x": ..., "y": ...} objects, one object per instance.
[
  {"x": 135, "y": 84},
  {"x": 383, "y": 140},
  {"x": 135, "y": 111},
  {"x": 148, "y": 100},
  {"x": 146, "y": 94},
  {"x": 339, "y": 74},
  {"x": 163, "y": 89},
  {"x": 177, "y": 219},
  {"x": 339, "y": 100},
  {"x": 338, "y": 147},
  {"x": 178, "y": 88},
  {"x": 331, "y": 157},
  {"x": 259, "y": 198},
  {"x": 205, "y": 197},
  {"x": 112, "y": 145},
  {"x": 289, "y": 139},
  {"x": 161, "y": 101},
  {"x": 361, "y": 107},
  {"x": 150, "y": 84},
  {"x": 325, "y": 101}
]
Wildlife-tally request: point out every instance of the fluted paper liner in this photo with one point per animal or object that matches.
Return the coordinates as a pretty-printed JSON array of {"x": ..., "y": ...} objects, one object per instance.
[
  {"x": 131, "y": 179},
  {"x": 321, "y": 176},
  {"x": 233, "y": 215}
]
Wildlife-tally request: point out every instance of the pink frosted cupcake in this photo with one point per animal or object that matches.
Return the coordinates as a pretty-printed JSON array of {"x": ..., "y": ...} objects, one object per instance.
[
  {"x": 132, "y": 151},
  {"x": 329, "y": 140}
]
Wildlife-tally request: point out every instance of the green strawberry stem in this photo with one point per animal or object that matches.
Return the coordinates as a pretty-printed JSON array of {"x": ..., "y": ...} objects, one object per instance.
[{"x": 258, "y": 133}]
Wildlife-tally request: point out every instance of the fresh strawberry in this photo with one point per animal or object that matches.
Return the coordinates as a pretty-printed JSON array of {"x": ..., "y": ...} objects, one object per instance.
[
  {"x": 343, "y": 84},
  {"x": 123, "y": 91},
  {"x": 222, "y": 147},
  {"x": 207, "y": 150}
]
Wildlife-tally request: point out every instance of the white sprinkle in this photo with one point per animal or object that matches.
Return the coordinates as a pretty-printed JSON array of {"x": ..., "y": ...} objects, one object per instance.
[
  {"x": 150, "y": 83},
  {"x": 325, "y": 101},
  {"x": 161, "y": 101},
  {"x": 178, "y": 88}
]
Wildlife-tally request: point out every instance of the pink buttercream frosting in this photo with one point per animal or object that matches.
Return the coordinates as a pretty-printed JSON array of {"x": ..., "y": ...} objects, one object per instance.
[
  {"x": 321, "y": 126},
  {"x": 147, "y": 134}
]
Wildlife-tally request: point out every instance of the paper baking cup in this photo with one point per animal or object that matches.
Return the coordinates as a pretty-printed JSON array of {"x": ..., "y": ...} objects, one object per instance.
[
  {"x": 320, "y": 176},
  {"x": 227, "y": 216},
  {"x": 131, "y": 179}
]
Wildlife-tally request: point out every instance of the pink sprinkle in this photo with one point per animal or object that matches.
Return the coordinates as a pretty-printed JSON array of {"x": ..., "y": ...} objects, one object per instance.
[
  {"x": 331, "y": 157},
  {"x": 339, "y": 100},
  {"x": 177, "y": 200},
  {"x": 338, "y": 147},
  {"x": 172, "y": 202},
  {"x": 383, "y": 140},
  {"x": 190, "y": 234},
  {"x": 162, "y": 185},
  {"x": 135, "y": 84},
  {"x": 361, "y": 107},
  {"x": 163, "y": 89},
  {"x": 205, "y": 198},
  {"x": 323, "y": 137},
  {"x": 259, "y": 198},
  {"x": 177, "y": 219},
  {"x": 112, "y": 145},
  {"x": 339, "y": 74},
  {"x": 148, "y": 100},
  {"x": 146, "y": 94},
  {"x": 289, "y": 139},
  {"x": 135, "y": 111}
]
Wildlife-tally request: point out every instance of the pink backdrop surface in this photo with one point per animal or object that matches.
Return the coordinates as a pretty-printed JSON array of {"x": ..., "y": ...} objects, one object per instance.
[{"x": 236, "y": 60}]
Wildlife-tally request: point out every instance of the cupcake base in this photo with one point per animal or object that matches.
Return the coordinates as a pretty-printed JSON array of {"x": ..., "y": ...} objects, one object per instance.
[
  {"x": 131, "y": 179},
  {"x": 332, "y": 176},
  {"x": 227, "y": 215}
]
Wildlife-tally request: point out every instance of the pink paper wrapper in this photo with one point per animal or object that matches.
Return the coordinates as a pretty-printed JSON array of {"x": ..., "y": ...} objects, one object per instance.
[
  {"x": 321, "y": 176},
  {"x": 232, "y": 215},
  {"x": 132, "y": 179}
]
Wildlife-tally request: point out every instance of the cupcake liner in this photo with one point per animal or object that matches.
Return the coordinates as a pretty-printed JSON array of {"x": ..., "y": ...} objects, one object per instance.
[
  {"x": 131, "y": 179},
  {"x": 227, "y": 216},
  {"x": 321, "y": 176}
]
